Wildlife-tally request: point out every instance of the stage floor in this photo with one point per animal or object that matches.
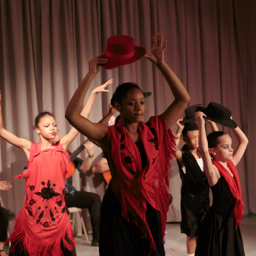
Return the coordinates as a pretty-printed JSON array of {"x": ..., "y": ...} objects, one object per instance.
[{"x": 176, "y": 242}]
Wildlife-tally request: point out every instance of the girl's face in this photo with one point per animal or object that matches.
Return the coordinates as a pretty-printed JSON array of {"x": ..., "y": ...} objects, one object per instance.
[
  {"x": 224, "y": 150},
  {"x": 133, "y": 106},
  {"x": 47, "y": 127}
]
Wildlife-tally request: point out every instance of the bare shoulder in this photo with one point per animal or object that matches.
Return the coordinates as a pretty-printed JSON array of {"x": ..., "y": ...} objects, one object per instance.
[{"x": 214, "y": 176}]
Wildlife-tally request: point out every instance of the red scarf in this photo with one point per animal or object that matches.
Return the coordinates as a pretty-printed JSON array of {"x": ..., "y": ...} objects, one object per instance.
[
  {"x": 234, "y": 187},
  {"x": 134, "y": 186}
]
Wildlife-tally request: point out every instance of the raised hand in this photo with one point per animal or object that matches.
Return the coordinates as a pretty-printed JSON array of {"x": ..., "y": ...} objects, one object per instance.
[
  {"x": 4, "y": 185},
  {"x": 157, "y": 51},
  {"x": 200, "y": 117},
  {"x": 179, "y": 124},
  {"x": 102, "y": 88},
  {"x": 94, "y": 64},
  {"x": 111, "y": 110}
]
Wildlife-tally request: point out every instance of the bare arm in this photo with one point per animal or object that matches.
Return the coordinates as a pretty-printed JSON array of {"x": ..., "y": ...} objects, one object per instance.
[
  {"x": 94, "y": 131},
  {"x": 180, "y": 93},
  {"x": 3, "y": 253},
  {"x": 243, "y": 142},
  {"x": 87, "y": 163},
  {"x": 101, "y": 166},
  {"x": 68, "y": 138},
  {"x": 213, "y": 125},
  {"x": 211, "y": 171},
  {"x": 11, "y": 138},
  {"x": 178, "y": 153}
]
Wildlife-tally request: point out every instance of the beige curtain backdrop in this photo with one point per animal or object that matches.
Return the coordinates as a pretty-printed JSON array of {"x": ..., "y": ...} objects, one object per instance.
[{"x": 45, "y": 47}]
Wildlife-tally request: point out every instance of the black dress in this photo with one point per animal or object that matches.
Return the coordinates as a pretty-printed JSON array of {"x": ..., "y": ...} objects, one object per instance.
[
  {"x": 218, "y": 235},
  {"x": 119, "y": 237}
]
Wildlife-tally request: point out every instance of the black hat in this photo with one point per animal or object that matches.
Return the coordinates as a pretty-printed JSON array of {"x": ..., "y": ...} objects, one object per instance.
[
  {"x": 219, "y": 114},
  {"x": 190, "y": 114}
]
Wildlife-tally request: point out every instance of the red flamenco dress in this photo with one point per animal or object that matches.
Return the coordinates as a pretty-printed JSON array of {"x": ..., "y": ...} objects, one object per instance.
[{"x": 42, "y": 227}]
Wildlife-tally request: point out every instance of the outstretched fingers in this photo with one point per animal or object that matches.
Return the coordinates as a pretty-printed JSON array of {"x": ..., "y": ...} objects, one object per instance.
[
  {"x": 110, "y": 81},
  {"x": 102, "y": 88}
]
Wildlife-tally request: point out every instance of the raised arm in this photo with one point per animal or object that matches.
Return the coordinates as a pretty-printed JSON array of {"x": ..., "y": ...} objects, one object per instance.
[
  {"x": 213, "y": 125},
  {"x": 180, "y": 93},
  {"x": 87, "y": 163},
  {"x": 68, "y": 138},
  {"x": 243, "y": 142},
  {"x": 210, "y": 170},
  {"x": 178, "y": 153},
  {"x": 11, "y": 138},
  {"x": 92, "y": 130}
]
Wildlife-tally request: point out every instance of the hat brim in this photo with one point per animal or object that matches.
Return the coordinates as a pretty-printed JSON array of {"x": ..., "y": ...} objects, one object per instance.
[
  {"x": 200, "y": 109},
  {"x": 139, "y": 53},
  {"x": 147, "y": 94},
  {"x": 188, "y": 120},
  {"x": 228, "y": 123}
]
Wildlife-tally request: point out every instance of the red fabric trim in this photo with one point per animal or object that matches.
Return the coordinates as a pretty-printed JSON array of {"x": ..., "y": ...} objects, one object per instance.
[
  {"x": 234, "y": 187},
  {"x": 134, "y": 186}
]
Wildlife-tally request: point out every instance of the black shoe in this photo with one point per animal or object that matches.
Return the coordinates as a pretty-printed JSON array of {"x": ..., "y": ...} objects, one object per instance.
[{"x": 95, "y": 242}]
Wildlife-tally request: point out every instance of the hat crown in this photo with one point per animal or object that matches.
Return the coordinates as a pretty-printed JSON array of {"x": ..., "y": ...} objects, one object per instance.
[
  {"x": 217, "y": 111},
  {"x": 120, "y": 44},
  {"x": 190, "y": 113},
  {"x": 120, "y": 50}
]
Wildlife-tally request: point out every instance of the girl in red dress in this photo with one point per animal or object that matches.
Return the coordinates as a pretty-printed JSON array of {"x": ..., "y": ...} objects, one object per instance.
[{"x": 42, "y": 227}]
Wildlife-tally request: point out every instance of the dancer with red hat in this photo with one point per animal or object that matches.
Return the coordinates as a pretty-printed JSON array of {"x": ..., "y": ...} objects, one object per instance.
[{"x": 135, "y": 205}]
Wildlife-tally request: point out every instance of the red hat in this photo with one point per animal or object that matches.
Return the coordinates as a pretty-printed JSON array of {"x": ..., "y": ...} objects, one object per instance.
[{"x": 121, "y": 51}]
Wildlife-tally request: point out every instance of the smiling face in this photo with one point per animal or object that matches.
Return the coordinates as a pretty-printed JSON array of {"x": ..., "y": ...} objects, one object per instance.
[
  {"x": 223, "y": 151},
  {"x": 132, "y": 106},
  {"x": 47, "y": 127},
  {"x": 192, "y": 139}
]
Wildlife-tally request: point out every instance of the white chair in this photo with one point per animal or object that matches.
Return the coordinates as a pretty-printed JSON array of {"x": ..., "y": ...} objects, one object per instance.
[{"x": 73, "y": 210}]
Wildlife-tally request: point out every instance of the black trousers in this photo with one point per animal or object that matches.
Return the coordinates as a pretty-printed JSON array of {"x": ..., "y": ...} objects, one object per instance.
[
  {"x": 4, "y": 220},
  {"x": 91, "y": 201}
]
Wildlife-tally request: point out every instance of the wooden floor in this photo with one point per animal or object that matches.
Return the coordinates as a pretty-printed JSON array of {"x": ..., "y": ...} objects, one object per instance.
[{"x": 175, "y": 241}]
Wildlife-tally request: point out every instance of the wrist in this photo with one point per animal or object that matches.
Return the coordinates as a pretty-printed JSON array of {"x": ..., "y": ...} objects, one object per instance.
[
  {"x": 90, "y": 155},
  {"x": 161, "y": 64}
]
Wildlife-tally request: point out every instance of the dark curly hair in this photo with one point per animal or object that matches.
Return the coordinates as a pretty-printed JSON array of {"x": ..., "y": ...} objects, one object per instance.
[{"x": 122, "y": 90}]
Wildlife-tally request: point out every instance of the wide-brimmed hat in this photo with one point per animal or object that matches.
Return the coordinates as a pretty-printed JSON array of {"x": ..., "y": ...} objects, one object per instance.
[
  {"x": 121, "y": 50},
  {"x": 219, "y": 114},
  {"x": 190, "y": 113}
]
